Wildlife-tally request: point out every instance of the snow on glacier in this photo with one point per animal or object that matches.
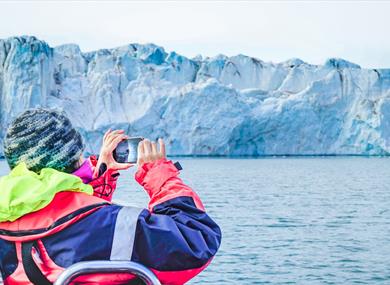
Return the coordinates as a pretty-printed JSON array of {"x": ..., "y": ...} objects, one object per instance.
[{"x": 221, "y": 105}]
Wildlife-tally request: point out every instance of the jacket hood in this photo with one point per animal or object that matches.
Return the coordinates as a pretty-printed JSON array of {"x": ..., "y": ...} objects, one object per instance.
[{"x": 23, "y": 191}]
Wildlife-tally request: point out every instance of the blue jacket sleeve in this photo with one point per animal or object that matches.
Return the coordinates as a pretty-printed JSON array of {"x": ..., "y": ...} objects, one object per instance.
[{"x": 176, "y": 236}]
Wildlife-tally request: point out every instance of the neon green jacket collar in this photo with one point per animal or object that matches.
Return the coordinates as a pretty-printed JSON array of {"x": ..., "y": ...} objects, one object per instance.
[{"x": 23, "y": 191}]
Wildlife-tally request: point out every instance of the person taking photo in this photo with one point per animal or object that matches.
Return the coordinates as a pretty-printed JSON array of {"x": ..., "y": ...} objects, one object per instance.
[{"x": 56, "y": 209}]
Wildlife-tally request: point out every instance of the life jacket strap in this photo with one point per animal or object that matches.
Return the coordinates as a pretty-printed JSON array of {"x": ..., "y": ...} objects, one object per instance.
[{"x": 34, "y": 274}]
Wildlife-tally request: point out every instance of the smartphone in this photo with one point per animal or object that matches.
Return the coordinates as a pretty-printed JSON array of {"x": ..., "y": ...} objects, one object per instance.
[{"x": 127, "y": 150}]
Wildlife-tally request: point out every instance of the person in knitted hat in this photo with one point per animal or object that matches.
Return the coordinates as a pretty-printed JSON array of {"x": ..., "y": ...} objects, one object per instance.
[{"x": 56, "y": 210}]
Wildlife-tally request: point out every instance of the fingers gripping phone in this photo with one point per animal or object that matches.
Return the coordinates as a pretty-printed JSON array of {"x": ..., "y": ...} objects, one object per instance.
[{"x": 127, "y": 150}]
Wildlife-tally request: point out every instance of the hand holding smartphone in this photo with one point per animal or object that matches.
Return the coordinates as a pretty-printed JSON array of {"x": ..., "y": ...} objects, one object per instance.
[
  {"x": 149, "y": 151},
  {"x": 138, "y": 150}
]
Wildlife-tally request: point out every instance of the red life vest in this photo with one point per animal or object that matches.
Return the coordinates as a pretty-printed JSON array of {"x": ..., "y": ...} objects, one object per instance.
[{"x": 26, "y": 232}]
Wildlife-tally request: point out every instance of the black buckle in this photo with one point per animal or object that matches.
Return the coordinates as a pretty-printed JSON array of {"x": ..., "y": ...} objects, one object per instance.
[{"x": 178, "y": 165}]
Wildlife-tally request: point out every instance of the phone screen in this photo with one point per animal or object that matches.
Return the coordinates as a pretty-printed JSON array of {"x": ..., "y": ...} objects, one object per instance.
[{"x": 127, "y": 150}]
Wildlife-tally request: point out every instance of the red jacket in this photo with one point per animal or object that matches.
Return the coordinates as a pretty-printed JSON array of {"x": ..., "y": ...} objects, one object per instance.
[{"x": 174, "y": 237}]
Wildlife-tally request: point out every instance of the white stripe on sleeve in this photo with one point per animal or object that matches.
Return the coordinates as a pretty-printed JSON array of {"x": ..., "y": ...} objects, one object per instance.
[{"x": 125, "y": 226}]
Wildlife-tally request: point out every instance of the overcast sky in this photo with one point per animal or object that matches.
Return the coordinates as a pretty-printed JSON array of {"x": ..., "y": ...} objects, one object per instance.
[{"x": 272, "y": 31}]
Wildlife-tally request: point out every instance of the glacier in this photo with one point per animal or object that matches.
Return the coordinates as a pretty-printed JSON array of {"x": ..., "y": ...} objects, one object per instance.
[{"x": 220, "y": 105}]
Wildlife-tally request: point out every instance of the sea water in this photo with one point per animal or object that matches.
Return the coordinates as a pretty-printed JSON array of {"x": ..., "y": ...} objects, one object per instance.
[{"x": 290, "y": 220}]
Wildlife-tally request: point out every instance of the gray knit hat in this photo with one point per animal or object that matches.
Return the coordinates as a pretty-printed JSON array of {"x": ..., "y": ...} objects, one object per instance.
[{"x": 43, "y": 138}]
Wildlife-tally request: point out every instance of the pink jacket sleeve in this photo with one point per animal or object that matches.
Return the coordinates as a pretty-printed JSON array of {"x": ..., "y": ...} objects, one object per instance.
[{"x": 160, "y": 180}]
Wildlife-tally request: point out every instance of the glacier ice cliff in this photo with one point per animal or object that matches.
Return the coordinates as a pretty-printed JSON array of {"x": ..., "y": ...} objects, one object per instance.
[{"x": 222, "y": 105}]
